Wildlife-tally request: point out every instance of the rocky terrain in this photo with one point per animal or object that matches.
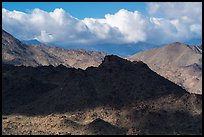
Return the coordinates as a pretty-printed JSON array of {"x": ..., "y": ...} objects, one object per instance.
[
  {"x": 18, "y": 53},
  {"x": 180, "y": 63},
  {"x": 177, "y": 62},
  {"x": 117, "y": 97}
]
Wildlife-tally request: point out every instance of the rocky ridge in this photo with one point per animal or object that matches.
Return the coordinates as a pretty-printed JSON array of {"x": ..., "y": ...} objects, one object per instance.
[{"x": 128, "y": 95}]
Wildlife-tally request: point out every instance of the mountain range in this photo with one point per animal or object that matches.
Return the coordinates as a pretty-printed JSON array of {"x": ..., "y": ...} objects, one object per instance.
[
  {"x": 177, "y": 62},
  {"x": 128, "y": 95},
  {"x": 18, "y": 53},
  {"x": 122, "y": 50},
  {"x": 180, "y": 63},
  {"x": 49, "y": 90}
]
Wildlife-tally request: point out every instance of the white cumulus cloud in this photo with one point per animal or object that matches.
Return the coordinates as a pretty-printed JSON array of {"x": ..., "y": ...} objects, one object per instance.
[
  {"x": 166, "y": 22},
  {"x": 131, "y": 24},
  {"x": 185, "y": 16}
]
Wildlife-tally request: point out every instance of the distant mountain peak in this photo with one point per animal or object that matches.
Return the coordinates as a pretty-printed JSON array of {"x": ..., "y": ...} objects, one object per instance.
[
  {"x": 33, "y": 41},
  {"x": 171, "y": 61}
]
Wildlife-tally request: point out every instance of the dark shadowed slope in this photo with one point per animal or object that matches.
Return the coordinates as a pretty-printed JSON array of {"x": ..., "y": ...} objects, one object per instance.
[
  {"x": 177, "y": 62},
  {"x": 126, "y": 94}
]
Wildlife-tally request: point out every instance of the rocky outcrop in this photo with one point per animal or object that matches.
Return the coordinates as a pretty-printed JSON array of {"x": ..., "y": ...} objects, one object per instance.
[{"x": 125, "y": 94}]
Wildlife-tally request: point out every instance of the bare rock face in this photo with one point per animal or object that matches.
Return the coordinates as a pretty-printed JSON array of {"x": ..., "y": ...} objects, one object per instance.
[
  {"x": 17, "y": 53},
  {"x": 117, "y": 97},
  {"x": 177, "y": 62}
]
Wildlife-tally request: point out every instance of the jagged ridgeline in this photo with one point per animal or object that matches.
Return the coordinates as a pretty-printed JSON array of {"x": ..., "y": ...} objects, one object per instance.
[
  {"x": 18, "y": 53},
  {"x": 127, "y": 94},
  {"x": 49, "y": 90}
]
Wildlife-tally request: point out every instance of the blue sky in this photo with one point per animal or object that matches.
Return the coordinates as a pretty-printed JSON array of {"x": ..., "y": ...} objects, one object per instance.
[{"x": 79, "y": 10}]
